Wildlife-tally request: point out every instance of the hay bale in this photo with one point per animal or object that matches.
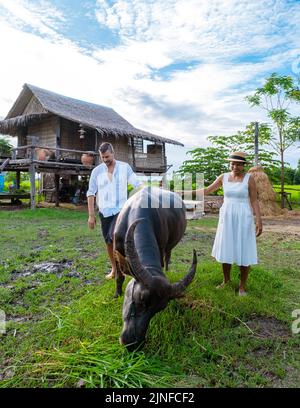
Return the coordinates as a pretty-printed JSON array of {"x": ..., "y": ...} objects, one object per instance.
[{"x": 265, "y": 193}]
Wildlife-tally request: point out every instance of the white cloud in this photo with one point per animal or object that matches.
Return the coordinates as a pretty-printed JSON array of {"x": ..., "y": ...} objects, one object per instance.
[
  {"x": 42, "y": 16},
  {"x": 201, "y": 29},
  {"x": 188, "y": 105}
]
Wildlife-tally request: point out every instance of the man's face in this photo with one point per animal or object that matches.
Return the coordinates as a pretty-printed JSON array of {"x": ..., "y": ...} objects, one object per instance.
[{"x": 107, "y": 158}]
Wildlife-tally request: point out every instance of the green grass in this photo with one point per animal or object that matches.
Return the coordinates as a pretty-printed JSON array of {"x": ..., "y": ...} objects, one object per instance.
[
  {"x": 63, "y": 327},
  {"x": 293, "y": 189}
]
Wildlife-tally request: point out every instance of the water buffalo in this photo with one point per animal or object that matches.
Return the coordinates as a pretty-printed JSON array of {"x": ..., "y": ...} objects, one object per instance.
[{"x": 151, "y": 223}]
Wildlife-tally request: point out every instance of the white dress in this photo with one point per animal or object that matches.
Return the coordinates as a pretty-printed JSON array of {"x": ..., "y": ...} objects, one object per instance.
[{"x": 235, "y": 240}]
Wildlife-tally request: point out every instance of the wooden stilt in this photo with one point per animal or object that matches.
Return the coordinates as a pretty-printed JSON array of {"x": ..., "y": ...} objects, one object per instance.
[
  {"x": 18, "y": 179},
  {"x": 56, "y": 190},
  {"x": 32, "y": 186}
]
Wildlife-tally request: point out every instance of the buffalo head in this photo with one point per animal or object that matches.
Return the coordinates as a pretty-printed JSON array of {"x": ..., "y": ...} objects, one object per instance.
[{"x": 146, "y": 294}]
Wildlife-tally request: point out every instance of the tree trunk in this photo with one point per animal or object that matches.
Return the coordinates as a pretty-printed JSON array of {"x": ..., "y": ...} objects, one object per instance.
[{"x": 282, "y": 178}]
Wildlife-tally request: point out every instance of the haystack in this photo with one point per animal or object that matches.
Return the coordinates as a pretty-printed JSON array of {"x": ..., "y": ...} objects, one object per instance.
[{"x": 265, "y": 193}]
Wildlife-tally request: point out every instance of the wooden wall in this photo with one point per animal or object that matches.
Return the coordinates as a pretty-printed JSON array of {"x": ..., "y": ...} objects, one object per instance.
[
  {"x": 120, "y": 145},
  {"x": 45, "y": 131},
  {"x": 70, "y": 137}
]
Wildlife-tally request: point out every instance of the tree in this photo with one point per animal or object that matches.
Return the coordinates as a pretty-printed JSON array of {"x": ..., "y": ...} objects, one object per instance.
[
  {"x": 275, "y": 96},
  {"x": 244, "y": 140},
  {"x": 211, "y": 160},
  {"x": 5, "y": 147}
]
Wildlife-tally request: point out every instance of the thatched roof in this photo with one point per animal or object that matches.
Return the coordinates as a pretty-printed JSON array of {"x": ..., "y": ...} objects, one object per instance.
[{"x": 104, "y": 120}]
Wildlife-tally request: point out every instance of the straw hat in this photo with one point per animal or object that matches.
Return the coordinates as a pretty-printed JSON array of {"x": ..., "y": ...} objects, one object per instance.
[{"x": 237, "y": 157}]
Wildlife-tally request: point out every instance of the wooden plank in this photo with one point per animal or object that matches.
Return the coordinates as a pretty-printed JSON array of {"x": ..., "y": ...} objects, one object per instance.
[
  {"x": 54, "y": 148},
  {"x": 13, "y": 195},
  {"x": 20, "y": 161},
  {"x": 4, "y": 164}
]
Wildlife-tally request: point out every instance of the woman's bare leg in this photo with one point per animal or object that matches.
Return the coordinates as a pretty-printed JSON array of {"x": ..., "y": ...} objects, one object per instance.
[
  {"x": 226, "y": 272},
  {"x": 244, "y": 275}
]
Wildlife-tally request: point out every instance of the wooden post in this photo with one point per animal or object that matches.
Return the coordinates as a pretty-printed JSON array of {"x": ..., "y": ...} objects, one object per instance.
[
  {"x": 96, "y": 148},
  {"x": 56, "y": 190},
  {"x": 164, "y": 181},
  {"x": 96, "y": 141},
  {"x": 256, "y": 144},
  {"x": 32, "y": 186},
  {"x": 133, "y": 156},
  {"x": 164, "y": 161},
  {"x": 18, "y": 179},
  {"x": 58, "y": 138}
]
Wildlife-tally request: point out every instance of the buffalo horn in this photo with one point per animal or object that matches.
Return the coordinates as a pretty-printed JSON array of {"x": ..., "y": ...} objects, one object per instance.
[
  {"x": 178, "y": 287},
  {"x": 140, "y": 273}
]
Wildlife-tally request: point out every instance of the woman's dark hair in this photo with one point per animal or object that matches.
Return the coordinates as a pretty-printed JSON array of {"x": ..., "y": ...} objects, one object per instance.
[{"x": 104, "y": 147}]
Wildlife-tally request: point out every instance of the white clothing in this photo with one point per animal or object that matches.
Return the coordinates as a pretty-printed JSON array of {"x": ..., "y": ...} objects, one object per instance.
[
  {"x": 111, "y": 191},
  {"x": 235, "y": 240}
]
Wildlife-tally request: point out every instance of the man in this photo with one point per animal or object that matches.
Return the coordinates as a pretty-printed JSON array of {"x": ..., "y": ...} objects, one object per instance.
[{"x": 109, "y": 182}]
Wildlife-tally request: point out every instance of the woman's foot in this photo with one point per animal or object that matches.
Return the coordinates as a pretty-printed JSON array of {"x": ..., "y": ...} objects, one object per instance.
[
  {"x": 111, "y": 275},
  {"x": 222, "y": 285},
  {"x": 242, "y": 292}
]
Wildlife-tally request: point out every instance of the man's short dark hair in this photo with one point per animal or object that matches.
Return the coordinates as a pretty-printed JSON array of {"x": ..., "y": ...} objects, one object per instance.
[{"x": 104, "y": 147}]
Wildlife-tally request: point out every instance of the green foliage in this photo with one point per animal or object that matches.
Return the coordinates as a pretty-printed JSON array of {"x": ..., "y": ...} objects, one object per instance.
[
  {"x": 10, "y": 177},
  {"x": 297, "y": 175},
  {"x": 289, "y": 175},
  {"x": 275, "y": 96},
  {"x": 211, "y": 160},
  {"x": 5, "y": 147}
]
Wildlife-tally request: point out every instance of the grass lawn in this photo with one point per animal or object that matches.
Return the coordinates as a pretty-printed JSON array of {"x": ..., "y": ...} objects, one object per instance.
[
  {"x": 295, "y": 193},
  {"x": 63, "y": 323}
]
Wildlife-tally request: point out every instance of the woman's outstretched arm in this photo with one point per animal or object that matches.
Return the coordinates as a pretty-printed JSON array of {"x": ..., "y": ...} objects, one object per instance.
[{"x": 210, "y": 189}]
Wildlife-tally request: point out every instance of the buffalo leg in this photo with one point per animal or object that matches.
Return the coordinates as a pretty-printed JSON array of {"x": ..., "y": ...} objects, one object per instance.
[
  {"x": 167, "y": 258},
  {"x": 119, "y": 279}
]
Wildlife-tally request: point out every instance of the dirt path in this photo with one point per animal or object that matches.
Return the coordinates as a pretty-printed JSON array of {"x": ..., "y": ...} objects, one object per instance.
[{"x": 287, "y": 225}]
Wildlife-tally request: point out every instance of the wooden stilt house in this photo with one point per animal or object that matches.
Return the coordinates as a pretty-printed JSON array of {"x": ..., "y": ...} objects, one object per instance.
[{"x": 54, "y": 131}]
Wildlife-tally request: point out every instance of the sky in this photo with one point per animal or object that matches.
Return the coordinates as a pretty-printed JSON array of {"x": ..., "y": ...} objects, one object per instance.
[{"x": 177, "y": 68}]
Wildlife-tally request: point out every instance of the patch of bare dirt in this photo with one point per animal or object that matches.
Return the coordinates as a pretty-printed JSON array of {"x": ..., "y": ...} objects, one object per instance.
[
  {"x": 281, "y": 224},
  {"x": 268, "y": 328},
  {"x": 43, "y": 267}
]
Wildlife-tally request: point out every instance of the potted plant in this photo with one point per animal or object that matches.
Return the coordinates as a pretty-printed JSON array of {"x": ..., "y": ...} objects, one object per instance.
[{"x": 87, "y": 159}]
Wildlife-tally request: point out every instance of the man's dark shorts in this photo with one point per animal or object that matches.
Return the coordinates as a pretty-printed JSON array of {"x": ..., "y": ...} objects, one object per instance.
[{"x": 108, "y": 226}]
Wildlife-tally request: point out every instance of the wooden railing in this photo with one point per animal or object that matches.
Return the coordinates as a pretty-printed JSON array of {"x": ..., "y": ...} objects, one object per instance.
[
  {"x": 53, "y": 153},
  {"x": 140, "y": 161}
]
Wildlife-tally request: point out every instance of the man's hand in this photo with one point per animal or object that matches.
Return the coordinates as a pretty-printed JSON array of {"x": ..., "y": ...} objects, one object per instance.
[
  {"x": 92, "y": 221},
  {"x": 258, "y": 229}
]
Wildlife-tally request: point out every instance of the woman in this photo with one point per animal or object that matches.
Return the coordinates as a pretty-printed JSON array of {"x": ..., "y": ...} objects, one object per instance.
[{"x": 235, "y": 240}]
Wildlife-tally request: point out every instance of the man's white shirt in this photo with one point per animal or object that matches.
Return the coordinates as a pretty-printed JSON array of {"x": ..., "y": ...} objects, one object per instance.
[{"x": 111, "y": 194}]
